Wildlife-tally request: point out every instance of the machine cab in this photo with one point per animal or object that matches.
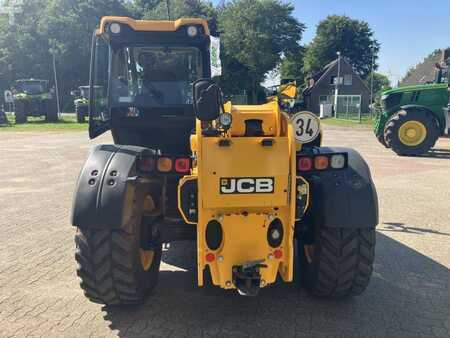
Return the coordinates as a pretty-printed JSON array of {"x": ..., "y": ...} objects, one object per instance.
[{"x": 146, "y": 70}]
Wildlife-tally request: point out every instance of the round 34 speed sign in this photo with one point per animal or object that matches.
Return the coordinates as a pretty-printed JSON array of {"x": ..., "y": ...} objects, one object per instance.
[{"x": 306, "y": 126}]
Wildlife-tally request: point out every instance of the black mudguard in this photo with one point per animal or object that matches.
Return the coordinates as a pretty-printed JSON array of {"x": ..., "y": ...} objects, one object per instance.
[
  {"x": 105, "y": 187},
  {"x": 344, "y": 198}
]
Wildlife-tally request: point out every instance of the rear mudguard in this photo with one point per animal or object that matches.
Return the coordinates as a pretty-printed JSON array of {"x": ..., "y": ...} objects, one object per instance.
[
  {"x": 344, "y": 198},
  {"x": 106, "y": 187}
]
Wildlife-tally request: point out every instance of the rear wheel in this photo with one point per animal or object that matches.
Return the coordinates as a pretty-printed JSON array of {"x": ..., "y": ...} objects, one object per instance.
[
  {"x": 339, "y": 263},
  {"x": 380, "y": 138},
  {"x": 51, "y": 111},
  {"x": 411, "y": 132},
  {"x": 20, "y": 114},
  {"x": 81, "y": 113},
  {"x": 113, "y": 266}
]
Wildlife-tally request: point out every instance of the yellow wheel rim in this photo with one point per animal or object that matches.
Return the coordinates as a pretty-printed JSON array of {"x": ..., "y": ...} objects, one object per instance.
[
  {"x": 412, "y": 133},
  {"x": 146, "y": 258}
]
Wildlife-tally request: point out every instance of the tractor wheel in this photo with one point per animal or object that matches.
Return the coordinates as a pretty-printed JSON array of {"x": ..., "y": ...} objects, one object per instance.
[
  {"x": 51, "y": 111},
  {"x": 80, "y": 115},
  {"x": 380, "y": 138},
  {"x": 339, "y": 264},
  {"x": 20, "y": 113},
  {"x": 411, "y": 132},
  {"x": 112, "y": 266}
]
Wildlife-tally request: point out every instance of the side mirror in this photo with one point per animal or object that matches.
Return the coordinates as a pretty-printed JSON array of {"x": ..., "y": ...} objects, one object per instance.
[{"x": 207, "y": 98}]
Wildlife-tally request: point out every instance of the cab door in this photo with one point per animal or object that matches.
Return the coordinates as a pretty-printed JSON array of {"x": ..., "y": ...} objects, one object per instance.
[{"x": 99, "y": 110}]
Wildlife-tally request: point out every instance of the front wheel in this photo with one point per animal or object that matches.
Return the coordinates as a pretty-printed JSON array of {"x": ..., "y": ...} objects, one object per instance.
[
  {"x": 339, "y": 263},
  {"x": 411, "y": 132},
  {"x": 380, "y": 138},
  {"x": 80, "y": 113},
  {"x": 20, "y": 114},
  {"x": 51, "y": 111}
]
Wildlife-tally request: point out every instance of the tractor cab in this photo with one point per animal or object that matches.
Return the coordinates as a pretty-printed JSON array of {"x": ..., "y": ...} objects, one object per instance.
[
  {"x": 31, "y": 87},
  {"x": 146, "y": 70},
  {"x": 286, "y": 94}
]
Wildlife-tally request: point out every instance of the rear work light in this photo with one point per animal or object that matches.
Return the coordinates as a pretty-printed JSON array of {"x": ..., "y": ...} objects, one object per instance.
[{"x": 321, "y": 162}]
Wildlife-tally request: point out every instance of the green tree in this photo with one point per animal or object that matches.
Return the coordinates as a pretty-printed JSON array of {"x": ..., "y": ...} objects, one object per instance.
[
  {"x": 292, "y": 66},
  {"x": 256, "y": 34},
  {"x": 380, "y": 83},
  {"x": 353, "y": 38},
  {"x": 57, "y": 27},
  {"x": 182, "y": 9}
]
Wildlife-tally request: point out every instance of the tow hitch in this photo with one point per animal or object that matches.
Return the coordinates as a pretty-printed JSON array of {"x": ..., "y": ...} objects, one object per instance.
[{"x": 247, "y": 277}]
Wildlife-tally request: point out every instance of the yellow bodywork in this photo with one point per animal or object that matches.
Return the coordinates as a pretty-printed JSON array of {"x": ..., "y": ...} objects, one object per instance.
[
  {"x": 151, "y": 25},
  {"x": 245, "y": 217}
]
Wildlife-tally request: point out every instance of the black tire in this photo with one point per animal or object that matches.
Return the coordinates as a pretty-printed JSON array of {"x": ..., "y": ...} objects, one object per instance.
[
  {"x": 342, "y": 262},
  {"x": 80, "y": 114},
  {"x": 20, "y": 114},
  {"x": 393, "y": 125},
  {"x": 380, "y": 138},
  {"x": 51, "y": 111},
  {"x": 109, "y": 264}
]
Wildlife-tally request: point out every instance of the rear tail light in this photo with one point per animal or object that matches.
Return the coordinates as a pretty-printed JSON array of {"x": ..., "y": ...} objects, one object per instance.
[
  {"x": 305, "y": 164},
  {"x": 321, "y": 162},
  {"x": 146, "y": 164},
  {"x": 182, "y": 165},
  {"x": 337, "y": 161},
  {"x": 164, "y": 164}
]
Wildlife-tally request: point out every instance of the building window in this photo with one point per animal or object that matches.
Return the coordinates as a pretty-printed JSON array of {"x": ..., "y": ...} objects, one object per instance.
[
  {"x": 334, "y": 79},
  {"x": 348, "y": 80}
]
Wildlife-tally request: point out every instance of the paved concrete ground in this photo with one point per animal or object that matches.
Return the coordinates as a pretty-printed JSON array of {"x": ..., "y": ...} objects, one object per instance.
[{"x": 39, "y": 295}]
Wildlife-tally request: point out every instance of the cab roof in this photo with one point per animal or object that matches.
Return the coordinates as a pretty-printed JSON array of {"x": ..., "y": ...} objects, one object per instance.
[
  {"x": 31, "y": 80},
  {"x": 153, "y": 25}
]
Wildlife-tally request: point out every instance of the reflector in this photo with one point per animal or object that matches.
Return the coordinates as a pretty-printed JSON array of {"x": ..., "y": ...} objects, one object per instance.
[{"x": 210, "y": 257}]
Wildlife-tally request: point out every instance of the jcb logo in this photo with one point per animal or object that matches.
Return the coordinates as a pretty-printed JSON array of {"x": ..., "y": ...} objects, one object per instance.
[{"x": 247, "y": 185}]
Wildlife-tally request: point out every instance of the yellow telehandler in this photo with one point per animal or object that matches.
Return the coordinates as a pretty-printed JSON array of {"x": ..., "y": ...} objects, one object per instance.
[{"x": 185, "y": 165}]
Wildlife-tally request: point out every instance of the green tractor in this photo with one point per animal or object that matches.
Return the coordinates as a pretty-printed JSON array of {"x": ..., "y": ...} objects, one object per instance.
[
  {"x": 412, "y": 118},
  {"x": 81, "y": 102},
  {"x": 34, "y": 98}
]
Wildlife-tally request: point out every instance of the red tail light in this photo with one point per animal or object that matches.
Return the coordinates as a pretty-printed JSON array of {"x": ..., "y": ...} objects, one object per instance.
[
  {"x": 182, "y": 165},
  {"x": 305, "y": 164},
  {"x": 146, "y": 164}
]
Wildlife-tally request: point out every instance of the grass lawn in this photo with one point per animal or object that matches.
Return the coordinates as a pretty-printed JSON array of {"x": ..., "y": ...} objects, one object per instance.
[
  {"x": 66, "y": 122},
  {"x": 365, "y": 121}
]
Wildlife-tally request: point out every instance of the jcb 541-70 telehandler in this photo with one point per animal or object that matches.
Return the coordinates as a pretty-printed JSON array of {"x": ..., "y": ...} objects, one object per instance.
[{"x": 243, "y": 182}]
